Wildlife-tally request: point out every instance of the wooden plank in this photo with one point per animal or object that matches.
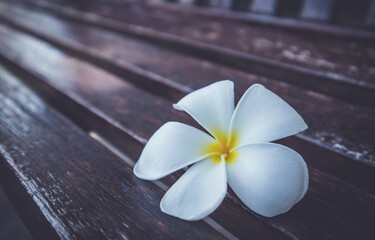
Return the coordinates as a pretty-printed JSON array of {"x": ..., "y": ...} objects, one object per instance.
[
  {"x": 247, "y": 37},
  {"x": 331, "y": 208},
  {"x": 338, "y": 83},
  {"x": 320, "y": 10},
  {"x": 304, "y": 27},
  {"x": 329, "y": 130},
  {"x": 72, "y": 188},
  {"x": 120, "y": 126}
]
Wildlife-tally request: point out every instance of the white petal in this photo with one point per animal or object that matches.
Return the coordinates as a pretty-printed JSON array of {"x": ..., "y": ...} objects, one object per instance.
[
  {"x": 269, "y": 178},
  {"x": 211, "y": 106},
  {"x": 262, "y": 116},
  {"x": 198, "y": 192},
  {"x": 172, "y": 147}
]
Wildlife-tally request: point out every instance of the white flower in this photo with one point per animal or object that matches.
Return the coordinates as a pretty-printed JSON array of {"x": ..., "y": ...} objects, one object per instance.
[{"x": 269, "y": 178}]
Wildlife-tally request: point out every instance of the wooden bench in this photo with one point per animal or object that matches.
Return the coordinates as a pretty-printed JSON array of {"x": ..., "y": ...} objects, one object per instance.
[{"x": 83, "y": 88}]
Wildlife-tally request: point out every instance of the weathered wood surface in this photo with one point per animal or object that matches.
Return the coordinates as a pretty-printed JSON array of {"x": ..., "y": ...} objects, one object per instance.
[
  {"x": 94, "y": 80},
  {"x": 315, "y": 51},
  {"x": 104, "y": 123},
  {"x": 69, "y": 180},
  {"x": 290, "y": 24},
  {"x": 331, "y": 83},
  {"x": 187, "y": 73},
  {"x": 110, "y": 96},
  {"x": 117, "y": 86}
]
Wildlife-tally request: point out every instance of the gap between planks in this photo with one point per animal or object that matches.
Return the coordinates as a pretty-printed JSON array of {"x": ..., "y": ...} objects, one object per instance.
[
  {"x": 80, "y": 105},
  {"x": 14, "y": 169},
  {"x": 138, "y": 76},
  {"x": 336, "y": 31},
  {"x": 359, "y": 92},
  {"x": 89, "y": 108},
  {"x": 145, "y": 79},
  {"x": 151, "y": 82}
]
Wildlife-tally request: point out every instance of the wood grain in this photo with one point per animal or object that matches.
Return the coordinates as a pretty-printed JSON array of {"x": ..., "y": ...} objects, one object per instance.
[
  {"x": 83, "y": 191},
  {"x": 303, "y": 49},
  {"x": 331, "y": 208},
  {"x": 266, "y": 21},
  {"x": 345, "y": 67},
  {"x": 120, "y": 131},
  {"x": 119, "y": 80},
  {"x": 331, "y": 122}
]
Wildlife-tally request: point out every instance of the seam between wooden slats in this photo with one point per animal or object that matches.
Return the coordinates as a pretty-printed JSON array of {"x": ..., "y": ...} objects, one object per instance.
[
  {"x": 176, "y": 91},
  {"x": 49, "y": 216},
  {"x": 82, "y": 52},
  {"x": 159, "y": 83},
  {"x": 99, "y": 116},
  {"x": 362, "y": 93},
  {"x": 91, "y": 110},
  {"x": 121, "y": 155},
  {"x": 266, "y": 20},
  {"x": 75, "y": 100}
]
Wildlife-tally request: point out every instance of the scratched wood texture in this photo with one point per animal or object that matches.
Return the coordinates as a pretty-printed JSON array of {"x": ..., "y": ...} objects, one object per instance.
[
  {"x": 313, "y": 51},
  {"x": 109, "y": 79},
  {"x": 78, "y": 186},
  {"x": 327, "y": 82},
  {"x": 300, "y": 55}
]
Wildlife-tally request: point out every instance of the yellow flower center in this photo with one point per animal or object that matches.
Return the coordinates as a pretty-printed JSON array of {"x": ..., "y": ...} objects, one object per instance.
[{"x": 222, "y": 147}]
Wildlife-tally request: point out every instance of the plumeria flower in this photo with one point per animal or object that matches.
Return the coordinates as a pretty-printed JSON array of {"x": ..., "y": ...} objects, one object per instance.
[{"x": 269, "y": 178}]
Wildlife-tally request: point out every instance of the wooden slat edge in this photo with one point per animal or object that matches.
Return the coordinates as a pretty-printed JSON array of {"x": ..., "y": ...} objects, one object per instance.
[
  {"x": 170, "y": 90},
  {"x": 335, "y": 31},
  {"x": 91, "y": 119},
  {"x": 102, "y": 129},
  {"x": 344, "y": 88},
  {"x": 51, "y": 219}
]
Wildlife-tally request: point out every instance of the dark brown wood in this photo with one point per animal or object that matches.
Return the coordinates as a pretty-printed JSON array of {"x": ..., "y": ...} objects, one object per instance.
[
  {"x": 121, "y": 86},
  {"x": 148, "y": 14},
  {"x": 318, "y": 110},
  {"x": 304, "y": 27},
  {"x": 121, "y": 131},
  {"x": 70, "y": 183},
  {"x": 331, "y": 208},
  {"x": 339, "y": 83}
]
